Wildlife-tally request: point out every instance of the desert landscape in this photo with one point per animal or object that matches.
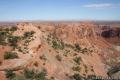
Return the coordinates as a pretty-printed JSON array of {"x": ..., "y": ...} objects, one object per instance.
[{"x": 59, "y": 50}]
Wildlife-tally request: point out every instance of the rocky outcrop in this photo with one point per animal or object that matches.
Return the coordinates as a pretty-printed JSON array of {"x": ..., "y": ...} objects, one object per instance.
[{"x": 111, "y": 33}]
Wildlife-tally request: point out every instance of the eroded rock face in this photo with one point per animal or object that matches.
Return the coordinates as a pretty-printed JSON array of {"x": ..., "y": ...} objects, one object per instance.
[
  {"x": 111, "y": 33},
  {"x": 75, "y": 33}
]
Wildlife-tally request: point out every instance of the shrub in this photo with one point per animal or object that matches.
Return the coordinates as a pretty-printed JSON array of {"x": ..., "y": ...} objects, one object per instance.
[
  {"x": 13, "y": 28},
  {"x": 77, "y": 48},
  {"x": 76, "y": 68},
  {"x": 66, "y": 53},
  {"x": 19, "y": 77},
  {"x": 28, "y": 34},
  {"x": 9, "y": 74},
  {"x": 86, "y": 68},
  {"x": 13, "y": 40},
  {"x": 77, "y": 76},
  {"x": 69, "y": 46},
  {"x": 43, "y": 57},
  {"x": 56, "y": 44},
  {"x": 30, "y": 74},
  {"x": 58, "y": 57},
  {"x": 77, "y": 60},
  {"x": 10, "y": 55},
  {"x": 84, "y": 50},
  {"x": 41, "y": 75},
  {"x": 3, "y": 38}
]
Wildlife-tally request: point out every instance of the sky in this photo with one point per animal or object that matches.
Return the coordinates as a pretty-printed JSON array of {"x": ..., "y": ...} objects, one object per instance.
[{"x": 15, "y": 10}]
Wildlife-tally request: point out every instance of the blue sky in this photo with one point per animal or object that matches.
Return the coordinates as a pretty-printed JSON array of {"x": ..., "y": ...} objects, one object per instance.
[{"x": 11, "y": 10}]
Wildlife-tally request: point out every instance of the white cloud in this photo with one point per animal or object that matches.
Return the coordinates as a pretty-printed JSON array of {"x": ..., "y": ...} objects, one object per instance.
[{"x": 102, "y": 5}]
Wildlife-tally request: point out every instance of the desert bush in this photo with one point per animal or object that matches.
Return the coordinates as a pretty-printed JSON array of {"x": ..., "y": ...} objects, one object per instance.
[
  {"x": 77, "y": 76},
  {"x": 13, "y": 40},
  {"x": 58, "y": 57},
  {"x": 19, "y": 77},
  {"x": 77, "y": 60},
  {"x": 10, "y": 55},
  {"x": 9, "y": 74},
  {"x": 29, "y": 73},
  {"x": 43, "y": 57},
  {"x": 69, "y": 46},
  {"x": 3, "y": 38},
  {"x": 28, "y": 34},
  {"x": 56, "y": 44},
  {"x": 33, "y": 75},
  {"x": 41, "y": 75},
  {"x": 76, "y": 68},
  {"x": 77, "y": 48},
  {"x": 86, "y": 68},
  {"x": 66, "y": 52},
  {"x": 13, "y": 28}
]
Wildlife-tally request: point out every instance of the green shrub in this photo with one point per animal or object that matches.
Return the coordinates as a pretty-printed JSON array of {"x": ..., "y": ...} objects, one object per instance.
[
  {"x": 10, "y": 55},
  {"x": 77, "y": 60},
  {"x": 66, "y": 52},
  {"x": 13, "y": 40},
  {"x": 19, "y": 77},
  {"x": 9, "y": 74},
  {"x": 41, "y": 75},
  {"x": 77, "y": 48},
  {"x": 30, "y": 74},
  {"x": 3, "y": 38},
  {"x": 76, "y": 68},
  {"x": 28, "y": 34},
  {"x": 77, "y": 76},
  {"x": 56, "y": 44}
]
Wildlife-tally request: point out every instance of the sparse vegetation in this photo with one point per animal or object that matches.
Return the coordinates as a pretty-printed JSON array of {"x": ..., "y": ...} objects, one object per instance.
[
  {"x": 77, "y": 60},
  {"x": 86, "y": 68},
  {"x": 66, "y": 52},
  {"x": 77, "y": 76},
  {"x": 28, "y": 34},
  {"x": 13, "y": 40},
  {"x": 14, "y": 28},
  {"x": 77, "y": 48},
  {"x": 9, "y": 74},
  {"x": 56, "y": 44},
  {"x": 41, "y": 75},
  {"x": 76, "y": 68},
  {"x": 43, "y": 57},
  {"x": 36, "y": 63},
  {"x": 31, "y": 74},
  {"x": 69, "y": 46},
  {"x": 3, "y": 38},
  {"x": 58, "y": 57},
  {"x": 5, "y": 34},
  {"x": 10, "y": 55}
]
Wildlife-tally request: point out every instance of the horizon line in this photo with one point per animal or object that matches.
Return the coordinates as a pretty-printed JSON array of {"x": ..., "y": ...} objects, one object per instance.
[{"x": 59, "y": 20}]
